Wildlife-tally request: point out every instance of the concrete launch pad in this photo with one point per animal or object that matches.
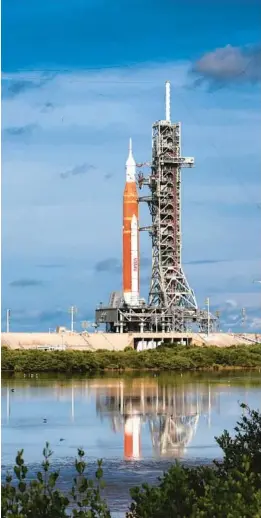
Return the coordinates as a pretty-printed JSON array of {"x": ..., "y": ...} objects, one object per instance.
[
  {"x": 118, "y": 342},
  {"x": 153, "y": 319}
]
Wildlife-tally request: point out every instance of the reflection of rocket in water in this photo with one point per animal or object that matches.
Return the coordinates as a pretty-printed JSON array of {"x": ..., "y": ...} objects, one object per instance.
[
  {"x": 132, "y": 442},
  {"x": 171, "y": 413},
  {"x": 130, "y": 235}
]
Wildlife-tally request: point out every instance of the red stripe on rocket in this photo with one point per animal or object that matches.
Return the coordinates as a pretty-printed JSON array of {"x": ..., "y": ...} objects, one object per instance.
[{"x": 131, "y": 235}]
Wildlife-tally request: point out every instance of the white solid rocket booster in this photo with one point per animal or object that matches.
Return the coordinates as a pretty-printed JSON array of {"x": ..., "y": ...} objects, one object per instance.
[{"x": 134, "y": 261}]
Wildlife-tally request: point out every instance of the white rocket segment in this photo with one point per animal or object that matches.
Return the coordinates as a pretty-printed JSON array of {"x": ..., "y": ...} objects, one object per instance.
[
  {"x": 134, "y": 261},
  {"x": 167, "y": 100},
  {"x": 127, "y": 297},
  {"x": 130, "y": 165},
  {"x": 136, "y": 437}
]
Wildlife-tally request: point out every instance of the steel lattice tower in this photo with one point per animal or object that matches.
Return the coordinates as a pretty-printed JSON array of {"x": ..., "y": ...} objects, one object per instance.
[{"x": 169, "y": 288}]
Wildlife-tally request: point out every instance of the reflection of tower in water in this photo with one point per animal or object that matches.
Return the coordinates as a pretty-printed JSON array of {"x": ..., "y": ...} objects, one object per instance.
[
  {"x": 170, "y": 435},
  {"x": 175, "y": 426},
  {"x": 172, "y": 414}
]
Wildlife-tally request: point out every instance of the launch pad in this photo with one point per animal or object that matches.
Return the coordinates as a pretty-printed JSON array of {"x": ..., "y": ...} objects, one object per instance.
[
  {"x": 172, "y": 304},
  {"x": 153, "y": 319}
]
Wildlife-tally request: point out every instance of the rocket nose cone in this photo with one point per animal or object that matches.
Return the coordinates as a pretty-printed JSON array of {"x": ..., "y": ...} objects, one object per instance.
[
  {"x": 130, "y": 165},
  {"x": 130, "y": 160}
]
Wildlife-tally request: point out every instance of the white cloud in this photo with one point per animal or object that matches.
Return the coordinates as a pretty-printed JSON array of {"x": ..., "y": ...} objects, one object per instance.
[
  {"x": 231, "y": 303},
  {"x": 255, "y": 323},
  {"x": 230, "y": 64}
]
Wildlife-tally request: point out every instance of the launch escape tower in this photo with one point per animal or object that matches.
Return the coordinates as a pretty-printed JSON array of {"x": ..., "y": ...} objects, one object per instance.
[{"x": 172, "y": 306}]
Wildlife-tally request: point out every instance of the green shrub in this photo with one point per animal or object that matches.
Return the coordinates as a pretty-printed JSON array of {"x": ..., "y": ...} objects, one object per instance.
[
  {"x": 162, "y": 359},
  {"x": 39, "y": 498}
]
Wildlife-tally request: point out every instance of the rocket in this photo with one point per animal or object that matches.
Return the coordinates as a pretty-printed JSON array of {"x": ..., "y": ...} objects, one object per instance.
[{"x": 130, "y": 235}]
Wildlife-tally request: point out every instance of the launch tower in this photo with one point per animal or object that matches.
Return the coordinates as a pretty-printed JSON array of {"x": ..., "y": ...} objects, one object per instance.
[
  {"x": 169, "y": 287},
  {"x": 172, "y": 305}
]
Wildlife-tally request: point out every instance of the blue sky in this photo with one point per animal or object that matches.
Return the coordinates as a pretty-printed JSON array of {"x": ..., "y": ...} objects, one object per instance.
[{"x": 78, "y": 79}]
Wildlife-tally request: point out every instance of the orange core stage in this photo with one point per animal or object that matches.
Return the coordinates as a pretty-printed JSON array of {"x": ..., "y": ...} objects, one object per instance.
[{"x": 130, "y": 235}]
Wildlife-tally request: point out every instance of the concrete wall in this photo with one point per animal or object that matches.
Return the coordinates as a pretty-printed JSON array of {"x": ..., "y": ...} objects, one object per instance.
[
  {"x": 118, "y": 342},
  {"x": 90, "y": 342}
]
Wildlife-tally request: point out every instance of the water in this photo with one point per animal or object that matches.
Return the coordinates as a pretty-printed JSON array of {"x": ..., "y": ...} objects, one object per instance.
[{"x": 137, "y": 425}]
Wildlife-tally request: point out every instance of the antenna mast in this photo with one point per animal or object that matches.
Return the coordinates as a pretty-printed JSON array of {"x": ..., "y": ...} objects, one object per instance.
[
  {"x": 167, "y": 100},
  {"x": 72, "y": 310}
]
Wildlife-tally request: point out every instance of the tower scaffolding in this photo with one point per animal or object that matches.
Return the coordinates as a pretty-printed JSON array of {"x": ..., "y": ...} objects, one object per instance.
[{"x": 169, "y": 288}]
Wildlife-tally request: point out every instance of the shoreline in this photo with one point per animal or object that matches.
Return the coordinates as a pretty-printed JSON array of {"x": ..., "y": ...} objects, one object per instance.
[{"x": 129, "y": 370}]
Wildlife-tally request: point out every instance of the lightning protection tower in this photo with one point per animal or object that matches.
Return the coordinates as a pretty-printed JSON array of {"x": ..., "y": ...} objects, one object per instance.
[{"x": 169, "y": 288}]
